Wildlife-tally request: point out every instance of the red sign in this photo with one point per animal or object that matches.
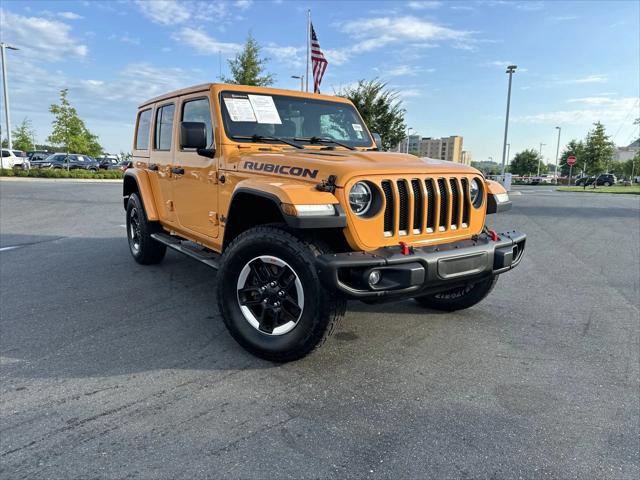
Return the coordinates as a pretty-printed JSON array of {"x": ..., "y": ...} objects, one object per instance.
[{"x": 571, "y": 160}]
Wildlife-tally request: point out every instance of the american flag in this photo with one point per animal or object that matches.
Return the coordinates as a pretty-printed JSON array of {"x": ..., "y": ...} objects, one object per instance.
[{"x": 318, "y": 62}]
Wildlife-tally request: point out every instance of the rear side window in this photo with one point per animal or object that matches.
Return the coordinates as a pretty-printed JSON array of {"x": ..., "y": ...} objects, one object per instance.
[
  {"x": 198, "y": 111},
  {"x": 144, "y": 124},
  {"x": 164, "y": 127}
]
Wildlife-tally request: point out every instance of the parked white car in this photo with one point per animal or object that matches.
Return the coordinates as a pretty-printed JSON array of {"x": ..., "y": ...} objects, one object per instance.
[{"x": 14, "y": 158}]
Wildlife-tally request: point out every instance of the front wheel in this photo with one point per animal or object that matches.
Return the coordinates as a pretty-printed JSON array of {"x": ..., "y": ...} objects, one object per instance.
[
  {"x": 270, "y": 296},
  {"x": 144, "y": 249},
  {"x": 607, "y": 184},
  {"x": 458, "y": 298}
]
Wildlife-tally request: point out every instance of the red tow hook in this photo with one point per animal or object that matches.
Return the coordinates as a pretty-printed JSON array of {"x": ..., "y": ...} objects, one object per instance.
[
  {"x": 493, "y": 235},
  {"x": 405, "y": 249}
]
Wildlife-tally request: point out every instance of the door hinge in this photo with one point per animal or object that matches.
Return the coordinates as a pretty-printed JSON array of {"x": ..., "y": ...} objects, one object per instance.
[
  {"x": 212, "y": 177},
  {"x": 170, "y": 205},
  {"x": 213, "y": 218}
]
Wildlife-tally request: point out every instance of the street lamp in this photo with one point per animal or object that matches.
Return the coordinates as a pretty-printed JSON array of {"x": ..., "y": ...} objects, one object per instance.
[
  {"x": 540, "y": 157},
  {"x": 510, "y": 70},
  {"x": 5, "y": 87},
  {"x": 301, "y": 78},
  {"x": 557, "y": 152},
  {"x": 408, "y": 132}
]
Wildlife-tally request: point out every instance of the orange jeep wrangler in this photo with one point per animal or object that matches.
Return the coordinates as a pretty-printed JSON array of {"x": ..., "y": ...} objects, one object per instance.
[{"x": 290, "y": 197}]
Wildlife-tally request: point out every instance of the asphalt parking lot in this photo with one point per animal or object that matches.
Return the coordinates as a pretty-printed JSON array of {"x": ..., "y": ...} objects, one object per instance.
[{"x": 114, "y": 370}]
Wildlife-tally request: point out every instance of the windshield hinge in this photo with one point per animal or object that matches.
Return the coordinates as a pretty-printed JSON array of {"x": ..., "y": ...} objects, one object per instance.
[{"x": 328, "y": 185}]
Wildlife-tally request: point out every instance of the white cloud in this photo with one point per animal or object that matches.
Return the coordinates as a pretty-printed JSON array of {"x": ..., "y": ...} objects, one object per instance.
[
  {"x": 243, "y": 4},
  {"x": 424, "y": 4},
  {"x": 164, "y": 12},
  {"x": 292, "y": 56},
  {"x": 202, "y": 43},
  {"x": 586, "y": 79},
  {"x": 39, "y": 38},
  {"x": 69, "y": 16},
  {"x": 609, "y": 110},
  {"x": 374, "y": 33},
  {"x": 405, "y": 71},
  {"x": 337, "y": 56},
  {"x": 563, "y": 18}
]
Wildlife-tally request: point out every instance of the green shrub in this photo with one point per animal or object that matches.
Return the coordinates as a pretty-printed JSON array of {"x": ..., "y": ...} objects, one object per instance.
[{"x": 61, "y": 173}]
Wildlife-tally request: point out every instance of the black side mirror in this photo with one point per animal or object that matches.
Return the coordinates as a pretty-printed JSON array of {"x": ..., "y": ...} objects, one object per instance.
[
  {"x": 194, "y": 135},
  {"x": 378, "y": 139}
]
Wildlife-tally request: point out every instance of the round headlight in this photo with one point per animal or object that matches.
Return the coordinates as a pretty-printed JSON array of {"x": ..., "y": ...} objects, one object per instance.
[
  {"x": 360, "y": 198},
  {"x": 475, "y": 192}
]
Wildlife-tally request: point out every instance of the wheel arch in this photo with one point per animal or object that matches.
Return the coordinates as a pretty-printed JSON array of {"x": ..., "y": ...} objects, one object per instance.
[{"x": 136, "y": 181}]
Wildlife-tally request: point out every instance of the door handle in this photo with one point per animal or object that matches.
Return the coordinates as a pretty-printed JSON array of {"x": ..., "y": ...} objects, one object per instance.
[
  {"x": 153, "y": 166},
  {"x": 177, "y": 170}
]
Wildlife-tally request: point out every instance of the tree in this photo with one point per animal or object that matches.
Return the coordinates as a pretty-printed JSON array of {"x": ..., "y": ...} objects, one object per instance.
[
  {"x": 574, "y": 148},
  {"x": 598, "y": 150},
  {"x": 631, "y": 168},
  {"x": 247, "y": 68},
  {"x": 69, "y": 131},
  {"x": 380, "y": 109},
  {"x": 22, "y": 136},
  {"x": 526, "y": 163}
]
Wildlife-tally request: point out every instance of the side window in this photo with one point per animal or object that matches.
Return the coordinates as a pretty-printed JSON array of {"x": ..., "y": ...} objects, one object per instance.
[
  {"x": 5, "y": 153},
  {"x": 198, "y": 111},
  {"x": 164, "y": 127},
  {"x": 144, "y": 124}
]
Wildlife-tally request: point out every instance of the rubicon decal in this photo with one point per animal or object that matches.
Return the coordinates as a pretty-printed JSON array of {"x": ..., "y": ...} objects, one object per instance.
[{"x": 281, "y": 169}]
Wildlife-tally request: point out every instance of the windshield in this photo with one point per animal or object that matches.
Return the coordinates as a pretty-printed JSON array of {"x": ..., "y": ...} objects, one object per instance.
[{"x": 246, "y": 115}]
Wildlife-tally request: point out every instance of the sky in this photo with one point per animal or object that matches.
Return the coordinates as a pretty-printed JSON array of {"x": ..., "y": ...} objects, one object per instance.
[{"x": 578, "y": 62}]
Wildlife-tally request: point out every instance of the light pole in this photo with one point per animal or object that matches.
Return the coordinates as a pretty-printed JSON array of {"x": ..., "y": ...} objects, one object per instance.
[
  {"x": 301, "y": 78},
  {"x": 408, "y": 132},
  {"x": 5, "y": 87},
  {"x": 510, "y": 70},
  {"x": 540, "y": 157},
  {"x": 557, "y": 152},
  {"x": 508, "y": 155}
]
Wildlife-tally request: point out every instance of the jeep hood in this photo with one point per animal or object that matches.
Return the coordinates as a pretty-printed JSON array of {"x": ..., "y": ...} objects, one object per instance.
[{"x": 343, "y": 164}]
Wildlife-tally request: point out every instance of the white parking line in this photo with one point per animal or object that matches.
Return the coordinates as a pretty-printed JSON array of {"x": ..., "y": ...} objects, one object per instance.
[{"x": 4, "y": 249}]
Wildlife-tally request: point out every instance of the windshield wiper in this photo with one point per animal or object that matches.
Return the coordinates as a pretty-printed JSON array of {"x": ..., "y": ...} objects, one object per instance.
[
  {"x": 313, "y": 140},
  {"x": 262, "y": 138}
]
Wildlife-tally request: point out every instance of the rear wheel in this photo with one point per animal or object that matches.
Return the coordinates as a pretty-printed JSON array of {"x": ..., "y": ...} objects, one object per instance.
[
  {"x": 144, "y": 249},
  {"x": 270, "y": 295},
  {"x": 607, "y": 184},
  {"x": 458, "y": 298}
]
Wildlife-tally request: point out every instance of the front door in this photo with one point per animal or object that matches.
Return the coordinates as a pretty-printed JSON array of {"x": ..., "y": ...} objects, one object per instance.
[{"x": 195, "y": 188}]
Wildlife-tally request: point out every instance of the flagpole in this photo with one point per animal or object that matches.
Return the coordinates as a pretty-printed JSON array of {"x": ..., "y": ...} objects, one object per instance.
[{"x": 308, "y": 45}]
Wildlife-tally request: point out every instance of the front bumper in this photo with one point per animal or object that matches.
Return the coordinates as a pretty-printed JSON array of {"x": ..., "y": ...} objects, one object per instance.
[{"x": 421, "y": 270}]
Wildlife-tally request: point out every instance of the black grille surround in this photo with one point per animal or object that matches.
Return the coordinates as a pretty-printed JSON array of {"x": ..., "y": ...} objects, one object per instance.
[{"x": 424, "y": 206}]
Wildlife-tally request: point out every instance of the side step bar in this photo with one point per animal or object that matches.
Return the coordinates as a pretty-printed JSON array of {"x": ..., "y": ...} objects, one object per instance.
[{"x": 190, "y": 249}]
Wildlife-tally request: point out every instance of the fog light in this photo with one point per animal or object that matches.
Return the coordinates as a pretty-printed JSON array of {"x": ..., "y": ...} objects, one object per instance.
[{"x": 374, "y": 277}]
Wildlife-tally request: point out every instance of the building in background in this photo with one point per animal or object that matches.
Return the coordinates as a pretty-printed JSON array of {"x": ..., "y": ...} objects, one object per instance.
[
  {"x": 465, "y": 157},
  {"x": 414, "y": 144},
  {"x": 627, "y": 153},
  {"x": 447, "y": 148}
]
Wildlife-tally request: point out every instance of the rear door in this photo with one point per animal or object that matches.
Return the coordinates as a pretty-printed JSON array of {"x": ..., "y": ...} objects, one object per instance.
[
  {"x": 161, "y": 159},
  {"x": 195, "y": 185}
]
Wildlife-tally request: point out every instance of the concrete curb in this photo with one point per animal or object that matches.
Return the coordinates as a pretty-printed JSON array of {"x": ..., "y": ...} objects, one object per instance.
[{"x": 61, "y": 180}]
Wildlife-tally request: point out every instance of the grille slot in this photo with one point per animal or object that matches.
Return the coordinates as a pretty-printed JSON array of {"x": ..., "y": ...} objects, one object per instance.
[
  {"x": 465, "y": 202},
  {"x": 444, "y": 204},
  {"x": 418, "y": 207},
  {"x": 455, "y": 203},
  {"x": 403, "y": 194},
  {"x": 431, "y": 205},
  {"x": 388, "y": 209}
]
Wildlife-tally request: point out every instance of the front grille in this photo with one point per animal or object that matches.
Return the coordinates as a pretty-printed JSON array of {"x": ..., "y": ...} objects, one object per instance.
[{"x": 423, "y": 206}]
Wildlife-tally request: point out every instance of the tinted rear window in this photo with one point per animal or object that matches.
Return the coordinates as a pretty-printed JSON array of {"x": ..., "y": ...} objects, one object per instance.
[{"x": 144, "y": 124}]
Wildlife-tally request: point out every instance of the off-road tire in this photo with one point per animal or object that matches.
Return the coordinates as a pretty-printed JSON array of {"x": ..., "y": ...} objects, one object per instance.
[
  {"x": 321, "y": 311},
  {"x": 458, "y": 298},
  {"x": 144, "y": 249}
]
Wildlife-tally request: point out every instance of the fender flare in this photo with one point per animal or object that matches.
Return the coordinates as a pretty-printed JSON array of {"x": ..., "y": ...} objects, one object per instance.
[
  {"x": 338, "y": 220},
  {"x": 141, "y": 178}
]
